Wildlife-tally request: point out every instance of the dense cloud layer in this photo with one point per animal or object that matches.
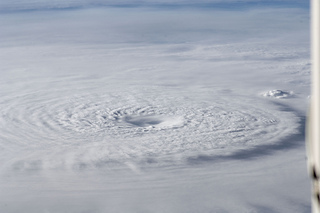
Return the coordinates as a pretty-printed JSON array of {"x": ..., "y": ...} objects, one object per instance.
[{"x": 150, "y": 109}]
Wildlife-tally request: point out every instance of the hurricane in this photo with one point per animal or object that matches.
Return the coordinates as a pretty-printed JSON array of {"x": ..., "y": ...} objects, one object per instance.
[{"x": 153, "y": 108}]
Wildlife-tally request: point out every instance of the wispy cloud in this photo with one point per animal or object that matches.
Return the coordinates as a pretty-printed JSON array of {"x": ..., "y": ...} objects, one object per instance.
[
  {"x": 136, "y": 25},
  {"x": 18, "y": 5}
]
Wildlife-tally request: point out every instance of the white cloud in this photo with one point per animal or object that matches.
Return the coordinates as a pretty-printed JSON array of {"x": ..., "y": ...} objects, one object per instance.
[{"x": 152, "y": 110}]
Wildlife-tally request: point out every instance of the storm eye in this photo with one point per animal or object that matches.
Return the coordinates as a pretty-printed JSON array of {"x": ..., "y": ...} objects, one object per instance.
[{"x": 143, "y": 121}]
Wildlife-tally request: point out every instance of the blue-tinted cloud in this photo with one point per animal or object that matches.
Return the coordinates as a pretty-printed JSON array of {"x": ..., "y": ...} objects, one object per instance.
[{"x": 18, "y": 5}]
